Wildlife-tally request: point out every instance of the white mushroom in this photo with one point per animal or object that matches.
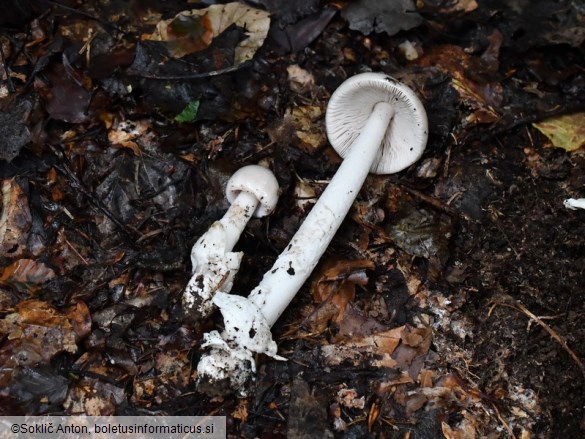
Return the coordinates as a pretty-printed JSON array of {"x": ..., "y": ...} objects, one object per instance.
[
  {"x": 574, "y": 203},
  {"x": 252, "y": 191},
  {"x": 377, "y": 125}
]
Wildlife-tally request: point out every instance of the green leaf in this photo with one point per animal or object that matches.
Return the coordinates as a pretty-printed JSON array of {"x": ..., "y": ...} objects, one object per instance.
[{"x": 189, "y": 113}]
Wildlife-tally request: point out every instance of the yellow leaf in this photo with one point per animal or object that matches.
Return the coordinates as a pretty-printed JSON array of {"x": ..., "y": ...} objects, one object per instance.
[{"x": 567, "y": 132}]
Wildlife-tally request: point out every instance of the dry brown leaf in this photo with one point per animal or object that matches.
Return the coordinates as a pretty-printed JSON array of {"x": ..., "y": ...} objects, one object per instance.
[
  {"x": 26, "y": 274},
  {"x": 425, "y": 378},
  {"x": 334, "y": 289},
  {"x": 241, "y": 411},
  {"x": 301, "y": 127},
  {"x": 482, "y": 96},
  {"x": 192, "y": 31},
  {"x": 373, "y": 414},
  {"x": 333, "y": 272},
  {"x": 466, "y": 429},
  {"x": 300, "y": 80},
  {"x": 94, "y": 397},
  {"x": 38, "y": 331},
  {"x": 357, "y": 349},
  {"x": 173, "y": 371},
  {"x": 127, "y": 133},
  {"x": 15, "y": 220}
]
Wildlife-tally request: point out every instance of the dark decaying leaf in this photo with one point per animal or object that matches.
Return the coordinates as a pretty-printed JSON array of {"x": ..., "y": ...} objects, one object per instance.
[
  {"x": 421, "y": 232},
  {"x": 291, "y": 11},
  {"x": 13, "y": 118},
  {"x": 36, "y": 389},
  {"x": 298, "y": 35},
  {"x": 68, "y": 100},
  {"x": 307, "y": 413},
  {"x": 541, "y": 22},
  {"x": 381, "y": 16}
]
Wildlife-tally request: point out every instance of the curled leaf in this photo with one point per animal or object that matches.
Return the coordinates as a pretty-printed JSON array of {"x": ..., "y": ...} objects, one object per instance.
[{"x": 192, "y": 31}]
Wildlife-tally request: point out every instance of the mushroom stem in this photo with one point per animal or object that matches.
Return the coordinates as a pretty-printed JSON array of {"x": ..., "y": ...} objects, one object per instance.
[
  {"x": 252, "y": 191},
  {"x": 237, "y": 216},
  {"x": 295, "y": 264}
]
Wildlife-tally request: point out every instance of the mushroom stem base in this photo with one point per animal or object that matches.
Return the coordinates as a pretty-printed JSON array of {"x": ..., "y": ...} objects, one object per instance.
[{"x": 229, "y": 362}]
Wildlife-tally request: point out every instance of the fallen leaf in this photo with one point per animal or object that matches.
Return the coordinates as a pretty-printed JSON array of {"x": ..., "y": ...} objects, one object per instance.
[
  {"x": 447, "y": 8},
  {"x": 299, "y": 79},
  {"x": 309, "y": 132},
  {"x": 567, "y": 132},
  {"x": 305, "y": 194},
  {"x": 358, "y": 349},
  {"x": 67, "y": 100},
  {"x": 37, "y": 331},
  {"x": 373, "y": 15},
  {"x": 481, "y": 94},
  {"x": 194, "y": 30},
  {"x": 241, "y": 411},
  {"x": 26, "y": 275},
  {"x": 172, "y": 373},
  {"x": 94, "y": 397},
  {"x": 334, "y": 289},
  {"x": 409, "y": 356},
  {"x": 189, "y": 113},
  {"x": 15, "y": 220},
  {"x": 301, "y": 126},
  {"x": 127, "y": 134},
  {"x": 465, "y": 429},
  {"x": 349, "y": 398},
  {"x": 15, "y": 134},
  {"x": 334, "y": 271}
]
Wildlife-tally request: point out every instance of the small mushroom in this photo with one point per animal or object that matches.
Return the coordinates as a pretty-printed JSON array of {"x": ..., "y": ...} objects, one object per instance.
[
  {"x": 377, "y": 125},
  {"x": 252, "y": 191},
  {"x": 574, "y": 203}
]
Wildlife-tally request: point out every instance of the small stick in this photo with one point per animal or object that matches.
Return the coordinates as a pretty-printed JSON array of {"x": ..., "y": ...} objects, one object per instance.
[
  {"x": 519, "y": 307},
  {"x": 203, "y": 75}
]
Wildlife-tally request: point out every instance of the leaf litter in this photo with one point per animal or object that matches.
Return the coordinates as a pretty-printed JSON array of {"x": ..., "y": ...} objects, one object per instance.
[{"x": 104, "y": 191}]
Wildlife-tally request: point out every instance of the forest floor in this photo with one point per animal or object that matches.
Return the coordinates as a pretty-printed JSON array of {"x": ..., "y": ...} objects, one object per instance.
[{"x": 450, "y": 304}]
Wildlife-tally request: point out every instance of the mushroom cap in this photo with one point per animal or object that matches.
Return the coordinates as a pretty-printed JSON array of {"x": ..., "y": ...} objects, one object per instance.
[
  {"x": 257, "y": 181},
  {"x": 350, "y": 107}
]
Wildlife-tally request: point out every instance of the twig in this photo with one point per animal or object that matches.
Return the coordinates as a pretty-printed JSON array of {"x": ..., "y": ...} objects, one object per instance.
[
  {"x": 76, "y": 252},
  {"x": 503, "y": 421},
  {"x": 203, "y": 75},
  {"x": 519, "y": 307},
  {"x": 436, "y": 203}
]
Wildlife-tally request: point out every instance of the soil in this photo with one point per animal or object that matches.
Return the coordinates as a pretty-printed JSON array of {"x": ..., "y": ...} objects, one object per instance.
[{"x": 449, "y": 304}]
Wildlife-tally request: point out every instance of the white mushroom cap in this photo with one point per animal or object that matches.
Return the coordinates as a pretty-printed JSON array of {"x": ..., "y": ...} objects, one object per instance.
[
  {"x": 258, "y": 181},
  {"x": 351, "y": 105}
]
